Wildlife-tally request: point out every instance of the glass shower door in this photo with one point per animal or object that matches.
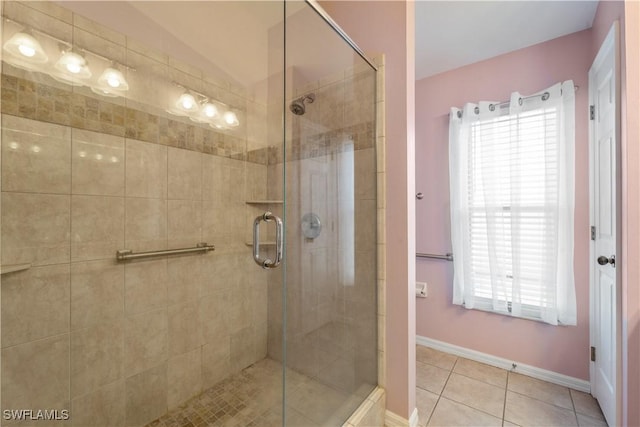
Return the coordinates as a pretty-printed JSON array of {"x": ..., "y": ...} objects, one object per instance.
[{"x": 328, "y": 161}]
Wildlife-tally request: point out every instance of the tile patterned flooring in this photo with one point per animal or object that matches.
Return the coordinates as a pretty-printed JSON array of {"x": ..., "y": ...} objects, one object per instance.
[
  {"x": 453, "y": 391},
  {"x": 252, "y": 398}
]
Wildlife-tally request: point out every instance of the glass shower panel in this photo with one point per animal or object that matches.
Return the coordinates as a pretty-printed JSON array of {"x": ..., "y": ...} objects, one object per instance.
[
  {"x": 330, "y": 216},
  {"x": 145, "y": 126}
]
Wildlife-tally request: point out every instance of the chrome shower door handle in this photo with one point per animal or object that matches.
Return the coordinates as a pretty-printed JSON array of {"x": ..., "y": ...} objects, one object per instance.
[{"x": 267, "y": 263}]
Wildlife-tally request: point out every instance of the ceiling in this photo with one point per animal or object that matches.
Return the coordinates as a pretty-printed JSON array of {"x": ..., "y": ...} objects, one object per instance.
[{"x": 451, "y": 34}]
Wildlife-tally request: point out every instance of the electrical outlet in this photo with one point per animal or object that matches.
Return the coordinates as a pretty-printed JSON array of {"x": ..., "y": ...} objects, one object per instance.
[{"x": 422, "y": 286}]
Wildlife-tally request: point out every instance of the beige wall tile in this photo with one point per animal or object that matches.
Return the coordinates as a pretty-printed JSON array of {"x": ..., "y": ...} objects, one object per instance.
[
  {"x": 52, "y": 9},
  {"x": 36, "y": 374},
  {"x": 97, "y": 227},
  {"x": 185, "y": 174},
  {"x": 97, "y": 163},
  {"x": 242, "y": 349},
  {"x": 35, "y": 228},
  {"x": 101, "y": 408},
  {"x": 35, "y": 156},
  {"x": 184, "y": 226},
  {"x": 364, "y": 170},
  {"x": 146, "y": 396},
  {"x": 97, "y": 293},
  {"x": 33, "y": 18},
  {"x": 222, "y": 178},
  {"x": 96, "y": 357},
  {"x": 184, "y": 376},
  {"x": 222, "y": 271},
  {"x": 145, "y": 342},
  {"x": 35, "y": 304},
  {"x": 185, "y": 277},
  {"x": 184, "y": 328},
  {"x": 216, "y": 362},
  {"x": 96, "y": 38},
  {"x": 145, "y": 285},
  {"x": 146, "y": 169},
  {"x": 145, "y": 224},
  {"x": 214, "y": 317}
]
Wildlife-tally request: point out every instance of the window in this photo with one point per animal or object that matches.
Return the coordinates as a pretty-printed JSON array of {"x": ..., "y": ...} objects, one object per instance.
[{"x": 512, "y": 205}]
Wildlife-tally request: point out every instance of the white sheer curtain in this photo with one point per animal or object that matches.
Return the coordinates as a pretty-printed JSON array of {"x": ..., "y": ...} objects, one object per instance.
[{"x": 512, "y": 205}]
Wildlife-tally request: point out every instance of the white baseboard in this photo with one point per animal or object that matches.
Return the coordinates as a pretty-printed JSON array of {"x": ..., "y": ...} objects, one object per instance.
[
  {"x": 521, "y": 368},
  {"x": 391, "y": 419}
]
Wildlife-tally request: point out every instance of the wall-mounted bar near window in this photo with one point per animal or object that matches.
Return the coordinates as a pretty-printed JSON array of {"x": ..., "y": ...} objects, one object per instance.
[
  {"x": 126, "y": 254},
  {"x": 448, "y": 256}
]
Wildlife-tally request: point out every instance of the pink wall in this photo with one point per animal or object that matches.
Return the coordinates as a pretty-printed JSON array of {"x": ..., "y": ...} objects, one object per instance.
[
  {"x": 387, "y": 27},
  {"x": 631, "y": 216},
  {"x": 562, "y": 349}
]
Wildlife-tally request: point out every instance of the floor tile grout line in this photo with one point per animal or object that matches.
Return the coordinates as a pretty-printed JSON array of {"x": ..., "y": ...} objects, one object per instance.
[
  {"x": 441, "y": 391},
  {"x": 573, "y": 404},
  {"x": 506, "y": 390}
]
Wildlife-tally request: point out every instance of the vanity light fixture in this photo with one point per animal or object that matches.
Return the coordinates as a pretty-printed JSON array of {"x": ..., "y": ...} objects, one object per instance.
[{"x": 24, "y": 46}]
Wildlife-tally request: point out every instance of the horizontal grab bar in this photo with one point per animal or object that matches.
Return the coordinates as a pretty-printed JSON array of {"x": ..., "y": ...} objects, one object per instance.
[
  {"x": 448, "y": 256},
  {"x": 126, "y": 254}
]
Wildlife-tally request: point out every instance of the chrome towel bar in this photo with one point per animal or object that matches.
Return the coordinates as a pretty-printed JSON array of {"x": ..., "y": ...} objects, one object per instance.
[
  {"x": 126, "y": 254},
  {"x": 448, "y": 256}
]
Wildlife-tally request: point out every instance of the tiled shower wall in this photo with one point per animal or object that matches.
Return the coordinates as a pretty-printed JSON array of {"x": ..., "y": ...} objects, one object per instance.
[{"x": 83, "y": 176}]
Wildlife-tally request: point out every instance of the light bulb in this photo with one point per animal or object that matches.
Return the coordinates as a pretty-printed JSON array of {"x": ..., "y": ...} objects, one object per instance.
[
  {"x": 74, "y": 68},
  {"x": 82, "y": 153},
  {"x": 187, "y": 102},
  {"x": 113, "y": 79},
  {"x": 210, "y": 110},
  {"x": 98, "y": 156},
  {"x": 26, "y": 50},
  {"x": 13, "y": 145},
  {"x": 230, "y": 118}
]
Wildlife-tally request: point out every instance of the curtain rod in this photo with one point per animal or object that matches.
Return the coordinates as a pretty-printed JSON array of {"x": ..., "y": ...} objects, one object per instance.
[{"x": 492, "y": 107}]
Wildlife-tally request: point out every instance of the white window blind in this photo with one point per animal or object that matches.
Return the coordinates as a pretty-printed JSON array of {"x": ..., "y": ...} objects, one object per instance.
[{"x": 510, "y": 210}]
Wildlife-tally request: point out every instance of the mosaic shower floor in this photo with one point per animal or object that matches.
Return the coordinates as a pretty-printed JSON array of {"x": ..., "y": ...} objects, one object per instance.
[{"x": 253, "y": 398}]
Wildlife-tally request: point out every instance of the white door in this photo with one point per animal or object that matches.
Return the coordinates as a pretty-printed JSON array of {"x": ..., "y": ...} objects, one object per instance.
[{"x": 604, "y": 293}]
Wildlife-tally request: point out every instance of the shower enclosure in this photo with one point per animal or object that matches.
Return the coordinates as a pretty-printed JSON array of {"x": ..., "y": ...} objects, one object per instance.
[{"x": 188, "y": 215}]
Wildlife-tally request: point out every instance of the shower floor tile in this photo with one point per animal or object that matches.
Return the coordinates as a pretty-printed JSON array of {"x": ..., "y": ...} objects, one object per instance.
[{"x": 251, "y": 398}]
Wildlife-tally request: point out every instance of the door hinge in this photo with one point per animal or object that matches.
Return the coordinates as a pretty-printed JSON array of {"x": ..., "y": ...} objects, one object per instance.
[
  {"x": 592, "y": 112},
  {"x": 593, "y": 354},
  {"x": 593, "y": 232}
]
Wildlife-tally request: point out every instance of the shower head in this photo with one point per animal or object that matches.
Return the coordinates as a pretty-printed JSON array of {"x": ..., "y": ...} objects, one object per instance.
[{"x": 297, "y": 107}]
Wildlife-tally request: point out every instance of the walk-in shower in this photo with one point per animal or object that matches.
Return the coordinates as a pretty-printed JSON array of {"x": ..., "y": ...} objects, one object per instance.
[{"x": 151, "y": 152}]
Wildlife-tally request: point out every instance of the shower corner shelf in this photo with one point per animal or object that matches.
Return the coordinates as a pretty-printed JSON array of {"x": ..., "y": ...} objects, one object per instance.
[
  {"x": 12, "y": 268},
  {"x": 264, "y": 202}
]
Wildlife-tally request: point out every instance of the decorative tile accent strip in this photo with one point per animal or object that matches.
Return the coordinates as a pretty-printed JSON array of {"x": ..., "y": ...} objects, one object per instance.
[{"x": 38, "y": 101}]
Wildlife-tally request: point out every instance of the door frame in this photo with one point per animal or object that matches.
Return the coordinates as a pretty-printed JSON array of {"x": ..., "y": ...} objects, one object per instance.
[{"x": 611, "y": 41}]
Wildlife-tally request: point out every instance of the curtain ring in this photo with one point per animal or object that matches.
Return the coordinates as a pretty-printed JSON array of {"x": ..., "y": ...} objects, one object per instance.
[
  {"x": 545, "y": 96},
  {"x": 476, "y": 110}
]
